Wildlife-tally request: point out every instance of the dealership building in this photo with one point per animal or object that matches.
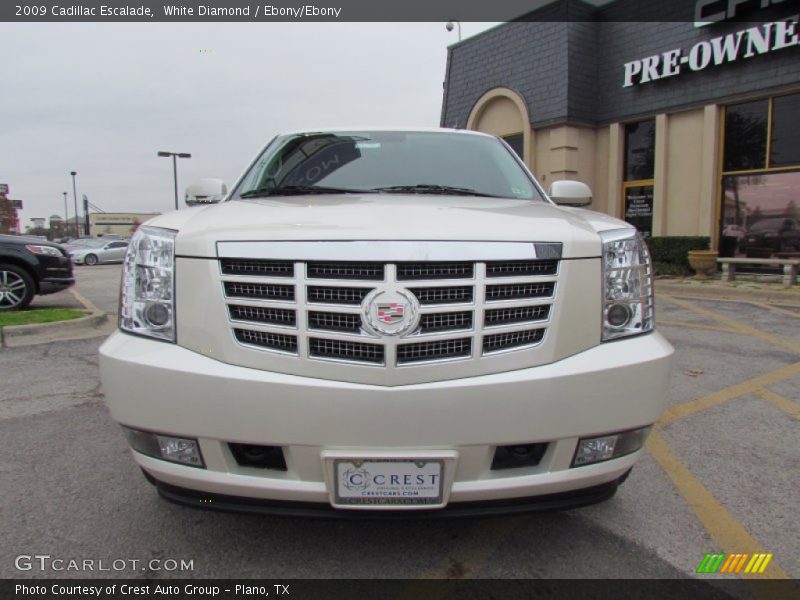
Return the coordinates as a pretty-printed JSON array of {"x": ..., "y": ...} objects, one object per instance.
[{"x": 681, "y": 128}]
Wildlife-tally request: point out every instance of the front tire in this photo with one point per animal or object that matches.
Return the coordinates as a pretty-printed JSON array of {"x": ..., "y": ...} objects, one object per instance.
[
  {"x": 16, "y": 287},
  {"x": 91, "y": 260}
]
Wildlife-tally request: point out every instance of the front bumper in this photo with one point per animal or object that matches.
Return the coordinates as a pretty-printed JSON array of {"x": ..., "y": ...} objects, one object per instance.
[{"x": 161, "y": 387}]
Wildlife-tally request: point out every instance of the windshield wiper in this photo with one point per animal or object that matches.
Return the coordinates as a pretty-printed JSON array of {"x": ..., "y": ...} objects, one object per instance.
[
  {"x": 296, "y": 190},
  {"x": 429, "y": 188}
]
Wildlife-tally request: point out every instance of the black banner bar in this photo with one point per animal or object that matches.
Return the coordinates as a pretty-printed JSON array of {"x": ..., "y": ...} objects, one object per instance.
[
  {"x": 368, "y": 10},
  {"x": 329, "y": 589}
]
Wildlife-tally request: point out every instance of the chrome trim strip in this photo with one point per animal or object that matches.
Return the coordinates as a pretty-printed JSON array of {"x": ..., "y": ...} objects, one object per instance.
[{"x": 385, "y": 251}]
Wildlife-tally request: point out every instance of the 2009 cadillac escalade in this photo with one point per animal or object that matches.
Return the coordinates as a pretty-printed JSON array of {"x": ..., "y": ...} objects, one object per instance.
[{"x": 387, "y": 321}]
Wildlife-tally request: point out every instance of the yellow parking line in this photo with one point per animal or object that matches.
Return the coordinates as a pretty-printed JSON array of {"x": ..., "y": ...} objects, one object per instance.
[
  {"x": 790, "y": 408},
  {"x": 679, "y": 411},
  {"x": 777, "y": 309},
  {"x": 752, "y": 331},
  {"x": 696, "y": 326},
  {"x": 720, "y": 524},
  {"x": 84, "y": 300}
]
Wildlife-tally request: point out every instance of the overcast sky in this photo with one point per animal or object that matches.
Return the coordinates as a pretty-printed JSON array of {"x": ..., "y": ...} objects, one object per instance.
[{"x": 102, "y": 99}]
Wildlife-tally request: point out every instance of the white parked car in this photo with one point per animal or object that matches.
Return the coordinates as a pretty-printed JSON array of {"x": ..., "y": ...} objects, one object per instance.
[
  {"x": 387, "y": 321},
  {"x": 98, "y": 251}
]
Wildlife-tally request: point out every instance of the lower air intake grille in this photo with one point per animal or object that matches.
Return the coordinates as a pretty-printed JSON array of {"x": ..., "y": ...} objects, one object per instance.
[
  {"x": 350, "y": 351},
  {"x": 458, "y": 348},
  {"x": 273, "y": 316},
  {"x": 273, "y": 341},
  {"x": 512, "y": 339}
]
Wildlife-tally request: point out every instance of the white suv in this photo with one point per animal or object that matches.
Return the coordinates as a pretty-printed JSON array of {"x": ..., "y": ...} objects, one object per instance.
[{"x": 387, "y": 321}]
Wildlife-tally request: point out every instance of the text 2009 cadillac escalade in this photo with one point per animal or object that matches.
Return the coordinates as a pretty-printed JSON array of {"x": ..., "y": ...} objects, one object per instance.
[{"x": 387, "y": 321}]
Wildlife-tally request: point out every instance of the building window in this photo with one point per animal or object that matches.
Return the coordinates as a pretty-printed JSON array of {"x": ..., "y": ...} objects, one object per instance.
[
  {"x": 785, "y": 141},
  {"x": 517, "y": 143},
  {"x": 760, "y": 214},
  {"x": 637, "y": 189},
  {"x": 746, "y": 136},
  {"x": 640, "y": 144}
]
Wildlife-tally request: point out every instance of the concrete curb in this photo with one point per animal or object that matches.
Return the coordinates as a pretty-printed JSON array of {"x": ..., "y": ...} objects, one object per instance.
[
  {"x": 718, "y": 290},
  {"x": 93, "y": 319}
]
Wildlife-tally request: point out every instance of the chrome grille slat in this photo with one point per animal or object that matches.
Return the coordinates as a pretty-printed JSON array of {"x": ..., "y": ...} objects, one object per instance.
[
  {"x": 351, "y": 296},
  {"x": 430, "y": 351},
  {"x": 448, "y": 321},
  {"x": 262, "y": 314},
  {"x": 365, "y": 271},
  {"x": 461, "y": 294},
  {"x": 264, "y": 291},
  {"x": 516, "y": 291},
  {"x": 467, "y": 310},
  {"x": 334, "y": 321},
  {"x": 512, "y": 339},
  {"x": 266, "y": 339},
  {"x": 518, "y": 314},
  {"x": 348, "y": 351},
  {"x": 256, "y": 267},
  {"x": 416, "y": 271},
  {"x": 521, "y": 268}
]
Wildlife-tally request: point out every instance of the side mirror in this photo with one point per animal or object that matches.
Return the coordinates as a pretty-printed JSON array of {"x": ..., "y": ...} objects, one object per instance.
[
  {"x": 205, "y": 191},
  {"x": 570, "y": 193}
]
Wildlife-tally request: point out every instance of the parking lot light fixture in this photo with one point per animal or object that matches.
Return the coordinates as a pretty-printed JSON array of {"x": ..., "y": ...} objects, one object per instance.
[
  {"x": 175, "y": 156},
  {"x": 75, "y": 200}
]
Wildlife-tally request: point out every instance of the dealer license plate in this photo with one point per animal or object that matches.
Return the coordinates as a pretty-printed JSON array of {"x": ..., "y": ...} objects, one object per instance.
[{"x": 388, "y": 482}]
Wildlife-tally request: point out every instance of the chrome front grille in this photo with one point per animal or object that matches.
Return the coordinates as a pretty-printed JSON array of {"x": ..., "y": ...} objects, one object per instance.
[
  {"x": 457, "y": 310},
  {"x": 444, "y": 295}
]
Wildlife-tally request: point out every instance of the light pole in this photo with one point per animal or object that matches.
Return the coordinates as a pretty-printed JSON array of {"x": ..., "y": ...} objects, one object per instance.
[
  {"x": 451, "y": 24},
  {"x": 175, "y": 156},
  {"x": 75, "y": 199},
  {"x": 66, "y": 216}
]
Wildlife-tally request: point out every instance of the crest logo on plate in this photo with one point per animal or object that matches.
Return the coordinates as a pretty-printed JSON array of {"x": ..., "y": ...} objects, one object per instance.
[{"x": 390, "y": 311}]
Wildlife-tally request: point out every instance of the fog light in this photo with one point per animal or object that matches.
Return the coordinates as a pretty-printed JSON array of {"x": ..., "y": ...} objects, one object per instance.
[
  {"x": 173, "y": 449},
  {"x": 598, "y": 449}
]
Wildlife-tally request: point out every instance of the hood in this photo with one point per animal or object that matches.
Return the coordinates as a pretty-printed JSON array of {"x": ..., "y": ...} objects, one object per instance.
[{"x": 385, "y": 217}]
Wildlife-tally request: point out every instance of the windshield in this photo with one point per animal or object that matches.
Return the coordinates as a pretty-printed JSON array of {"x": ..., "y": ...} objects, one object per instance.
[{"x": 388, "y": 162}]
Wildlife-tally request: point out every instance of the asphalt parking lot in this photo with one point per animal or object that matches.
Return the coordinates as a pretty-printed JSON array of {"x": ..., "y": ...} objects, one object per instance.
[{"x": 721, "y": 473}]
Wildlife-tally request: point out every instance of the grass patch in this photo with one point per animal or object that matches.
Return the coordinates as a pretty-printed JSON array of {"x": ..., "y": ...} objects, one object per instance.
[{"x": 38, "y": 315}]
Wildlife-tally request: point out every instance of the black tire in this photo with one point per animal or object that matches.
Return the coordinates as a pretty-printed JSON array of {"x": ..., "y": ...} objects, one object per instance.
[
  {"x": 16, "y": 287},
  {"x": 91, "y": 260}
]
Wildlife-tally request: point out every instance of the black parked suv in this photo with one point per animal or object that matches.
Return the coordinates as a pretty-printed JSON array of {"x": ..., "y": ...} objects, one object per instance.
[{"x": 30, "y": 266}]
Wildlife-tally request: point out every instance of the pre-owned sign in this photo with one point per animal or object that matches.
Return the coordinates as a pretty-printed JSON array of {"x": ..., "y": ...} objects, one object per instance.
[{"x": 747, "y": 43}]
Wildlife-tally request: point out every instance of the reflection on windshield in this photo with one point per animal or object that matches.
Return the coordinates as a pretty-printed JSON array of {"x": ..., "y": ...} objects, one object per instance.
[{"x": 389, "y": 162}]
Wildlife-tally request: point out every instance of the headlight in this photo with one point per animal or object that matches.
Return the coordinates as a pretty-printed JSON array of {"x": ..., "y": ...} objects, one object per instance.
[
  {"x": 147, "y": 295},
  {"x": 45, "y": 250},
  {"x": 628, "y": 307}
]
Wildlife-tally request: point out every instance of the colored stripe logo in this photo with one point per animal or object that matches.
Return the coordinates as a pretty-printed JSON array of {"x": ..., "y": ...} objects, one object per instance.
[{"x": 719, "y": 562}]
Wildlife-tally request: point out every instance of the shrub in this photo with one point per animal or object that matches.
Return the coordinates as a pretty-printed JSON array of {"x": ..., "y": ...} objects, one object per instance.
[{"x": 671, "y": 253}]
